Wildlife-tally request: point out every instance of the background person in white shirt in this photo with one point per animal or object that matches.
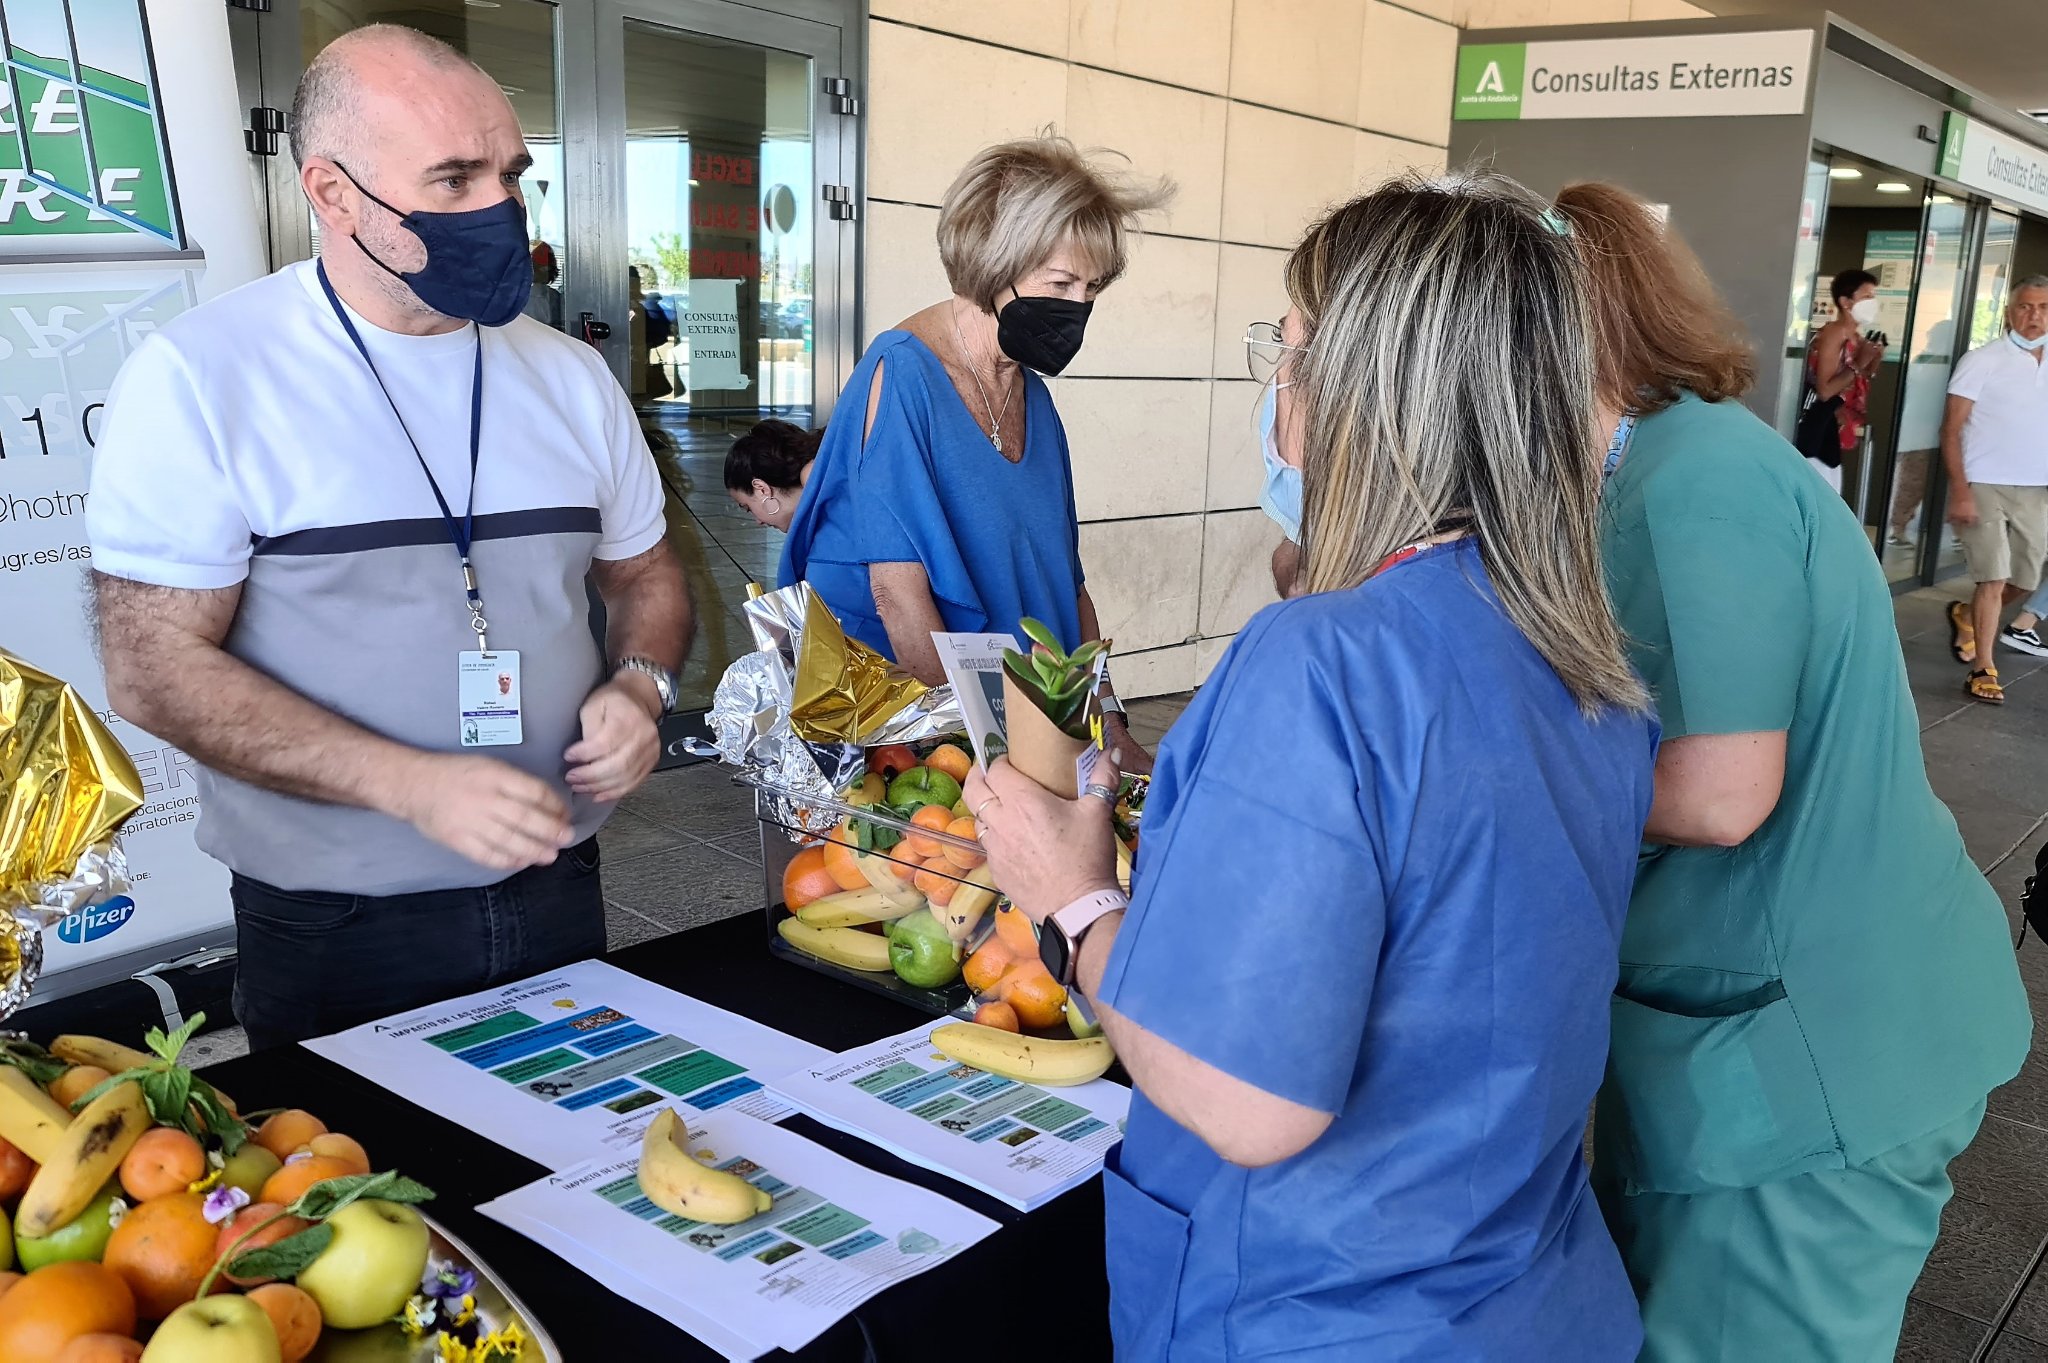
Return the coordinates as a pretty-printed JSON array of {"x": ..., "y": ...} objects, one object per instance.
[
  {"x": 1994, "y": 441},
  {"x": 278, "y": 510}
]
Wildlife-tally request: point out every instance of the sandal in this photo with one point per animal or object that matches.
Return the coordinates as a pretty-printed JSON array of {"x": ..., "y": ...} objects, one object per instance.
[
  {"x": 1962, "y": 632},
  {"x": 1983, "y": 685}
]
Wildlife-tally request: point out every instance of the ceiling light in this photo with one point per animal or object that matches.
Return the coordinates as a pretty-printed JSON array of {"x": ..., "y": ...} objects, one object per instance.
[
  {"x": 483, "y": 4},
  {"x": 1941, "y": 199},
  {"x": 1844, "y": 173},
  {"x": 1893, "y": 187}
]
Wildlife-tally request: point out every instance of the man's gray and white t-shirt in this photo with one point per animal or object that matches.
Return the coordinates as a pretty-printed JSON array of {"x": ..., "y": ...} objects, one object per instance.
[{"x": 248, "y": 443}]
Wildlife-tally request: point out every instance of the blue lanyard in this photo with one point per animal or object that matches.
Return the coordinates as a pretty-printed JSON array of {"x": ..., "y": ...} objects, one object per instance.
[
  {"x": 1617, "y": 446},
  {"x": 464, "y": 533}
]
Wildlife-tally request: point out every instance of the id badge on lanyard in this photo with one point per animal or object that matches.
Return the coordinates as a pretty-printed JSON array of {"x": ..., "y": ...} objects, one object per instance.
[{"x": 486, "y": 683}]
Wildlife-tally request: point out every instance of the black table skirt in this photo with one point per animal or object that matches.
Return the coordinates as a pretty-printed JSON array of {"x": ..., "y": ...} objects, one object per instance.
[{"x": 1034, "y": 1290}]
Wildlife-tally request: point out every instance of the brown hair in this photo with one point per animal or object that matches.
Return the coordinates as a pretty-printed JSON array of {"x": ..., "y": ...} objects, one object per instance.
[
  {"x": 1660, "y": 327},
  {"x": 774, "y": 452}
]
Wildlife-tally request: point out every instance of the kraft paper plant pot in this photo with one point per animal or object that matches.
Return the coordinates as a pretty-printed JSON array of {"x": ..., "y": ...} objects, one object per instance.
[{"x": 1038, "y": 747}]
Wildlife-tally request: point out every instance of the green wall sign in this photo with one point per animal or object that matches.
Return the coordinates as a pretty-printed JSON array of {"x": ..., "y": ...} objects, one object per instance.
[{"x": 81, "y": 134}]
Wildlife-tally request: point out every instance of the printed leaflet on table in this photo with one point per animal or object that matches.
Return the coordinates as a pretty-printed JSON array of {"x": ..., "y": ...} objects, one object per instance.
[
  {"x": 568, "y": 1065},
  {"x": 1018, "y": 1143},
  {"x": 836, "y": 1235}
]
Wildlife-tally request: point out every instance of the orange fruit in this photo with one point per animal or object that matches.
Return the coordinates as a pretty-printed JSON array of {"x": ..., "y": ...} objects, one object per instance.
[
  {"x": 16, "y": 1169},
  {"x": 294, "y": 1315},
  {"x": 1030, "y": 988},
  {"x": 301, "y": 1172},
  {"x": 286, "y": 1131},
  {"x": 246, "y": 1219},
  {"x": 806, "y": 880},
  {"x": 7, "y": 1281},
  {"x": 341, "y": 1147},
  {"x": 162, "y": 1249},
  {"x": 164, "y": 1161},
  {"x": 76, "y": 1082},
  {"x": 962, "y": 857},
  {"x": 841, "y": 865},
  {"x": 56, "y": 1304},
  {"x": 950, "y": 760},
  {"x": 985, "y": 967},
  {"x": 102, "y": 1348},
  {"x": 1014, "y": 930},
  {"x": 935, "y": 884},
  {"x": 934, "y": 818},
  {"x": 998, "y": 1014}
]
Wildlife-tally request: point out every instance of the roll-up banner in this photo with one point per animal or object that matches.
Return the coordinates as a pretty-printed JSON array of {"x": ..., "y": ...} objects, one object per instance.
[{"x": 126, "y": 197}]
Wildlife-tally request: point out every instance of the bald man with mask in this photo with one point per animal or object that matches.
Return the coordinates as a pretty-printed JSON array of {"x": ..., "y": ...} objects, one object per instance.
[{"x": 342, "y": 520}]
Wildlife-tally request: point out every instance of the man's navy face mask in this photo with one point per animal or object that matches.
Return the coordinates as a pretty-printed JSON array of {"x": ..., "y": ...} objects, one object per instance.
[{"x": 478, "y": 267}]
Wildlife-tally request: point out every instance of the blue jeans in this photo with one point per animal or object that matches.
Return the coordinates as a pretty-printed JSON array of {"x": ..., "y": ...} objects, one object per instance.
[
  {"x": 310, "y": 963},
  {"x": 2037, "y": 604}
]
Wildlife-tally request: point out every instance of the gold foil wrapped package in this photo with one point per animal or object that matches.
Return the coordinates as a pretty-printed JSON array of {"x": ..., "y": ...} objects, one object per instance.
[
  {"x": 66, "y": 786},
  {"x": 845, "y": 691}
]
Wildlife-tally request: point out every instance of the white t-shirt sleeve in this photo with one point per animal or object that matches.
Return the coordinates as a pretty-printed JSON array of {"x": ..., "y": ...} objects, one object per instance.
[
  {"x": 1968, "y": 379},
  {"x": 163, "y": 509},
  {"x": 632, "y": 502}
]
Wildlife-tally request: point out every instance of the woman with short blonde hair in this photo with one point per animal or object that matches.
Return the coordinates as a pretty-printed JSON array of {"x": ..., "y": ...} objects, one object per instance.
[
  {"x": 950, "y": 507},
  {"x": 1816, "y": 991},
  {"x": 1362, "y": 986}
]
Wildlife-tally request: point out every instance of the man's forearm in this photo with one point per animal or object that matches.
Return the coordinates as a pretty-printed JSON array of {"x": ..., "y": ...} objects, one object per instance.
[
  {"x": 242, "y": 724},
  {"x": 647, "y": 608}
]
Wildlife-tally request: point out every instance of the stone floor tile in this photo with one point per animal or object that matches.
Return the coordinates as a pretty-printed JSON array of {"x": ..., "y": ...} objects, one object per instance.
[
  {"x": 623, "y": 927},
  {"x": 686, "y": 887},
  {"x": 1977, "y": 1261},
  {"x": 701, "y": 801},
  {"x": 1932, "y": 1335},
  {"x": 627, "y": 835}
]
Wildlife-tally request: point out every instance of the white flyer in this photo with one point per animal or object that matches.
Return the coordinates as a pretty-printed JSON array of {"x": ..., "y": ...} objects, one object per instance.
[
  {"x": 567, "y": 1065},
  {"x": 836, "y": 1235},
  {"x": 1018, "y": 1143},
  {"x": 974, "y": 667}
]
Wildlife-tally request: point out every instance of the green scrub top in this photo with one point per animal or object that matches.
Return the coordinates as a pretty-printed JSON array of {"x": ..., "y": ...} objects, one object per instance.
[{"x": 1841, "y": 983}]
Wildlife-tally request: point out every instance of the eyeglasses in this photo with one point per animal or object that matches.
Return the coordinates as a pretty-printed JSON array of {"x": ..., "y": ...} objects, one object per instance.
[{"x": 1265, "y": 351}]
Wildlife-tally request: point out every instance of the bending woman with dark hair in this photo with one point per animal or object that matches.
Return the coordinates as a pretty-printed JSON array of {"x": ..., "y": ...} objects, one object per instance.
[
  {"x": 766, "y": 469},
  {"x": 1816, "y": 988}
]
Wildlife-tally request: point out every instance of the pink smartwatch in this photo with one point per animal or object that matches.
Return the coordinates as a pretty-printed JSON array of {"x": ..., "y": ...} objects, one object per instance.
[{"x": 1059, "y": 936}]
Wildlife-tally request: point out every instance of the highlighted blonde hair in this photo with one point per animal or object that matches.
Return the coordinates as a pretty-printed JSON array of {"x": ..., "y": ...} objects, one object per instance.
[
  {"x": 1018, "y": 202},
  {"x": 1448, "y": 380}
]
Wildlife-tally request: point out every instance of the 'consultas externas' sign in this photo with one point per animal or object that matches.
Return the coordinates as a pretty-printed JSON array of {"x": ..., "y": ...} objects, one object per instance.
[{"x": 1696, "y": 75}]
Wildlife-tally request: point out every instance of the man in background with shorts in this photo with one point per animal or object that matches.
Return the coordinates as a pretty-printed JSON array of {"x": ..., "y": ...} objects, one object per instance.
[{"x": 1994, "y": 441}]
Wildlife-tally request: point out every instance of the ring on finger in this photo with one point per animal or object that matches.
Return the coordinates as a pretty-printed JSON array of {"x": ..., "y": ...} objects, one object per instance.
[
  {"x": 1106, "y": 794},
  {"x": 980, "y": 810}
]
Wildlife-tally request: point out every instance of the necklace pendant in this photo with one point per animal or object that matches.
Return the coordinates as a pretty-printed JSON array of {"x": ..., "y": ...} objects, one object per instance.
[{"x": 995, "y": 436}]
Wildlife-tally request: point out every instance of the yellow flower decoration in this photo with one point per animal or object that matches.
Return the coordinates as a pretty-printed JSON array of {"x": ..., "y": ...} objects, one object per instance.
[
  {"x": 209, "y": 1183},
  {"x": 501, "y": 1346}
]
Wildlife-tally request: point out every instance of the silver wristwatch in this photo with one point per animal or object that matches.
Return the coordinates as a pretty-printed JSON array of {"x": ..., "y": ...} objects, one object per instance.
[{"x": 665, "y": 684}]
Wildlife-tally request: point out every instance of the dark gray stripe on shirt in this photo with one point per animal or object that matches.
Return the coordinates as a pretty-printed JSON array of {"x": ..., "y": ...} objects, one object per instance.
[{"x": 497, "y": 525}]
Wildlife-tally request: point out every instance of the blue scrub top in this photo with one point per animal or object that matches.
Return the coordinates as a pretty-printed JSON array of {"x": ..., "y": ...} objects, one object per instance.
[
  {"x": 1384, "y": 870},
  {"x": 999, "y": 541}
]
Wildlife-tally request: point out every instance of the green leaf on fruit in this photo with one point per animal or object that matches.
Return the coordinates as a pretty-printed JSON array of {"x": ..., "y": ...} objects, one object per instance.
[
  {"x": 287, "y": 1258},
  {"x": 169, "y": 1093},
  {"x": 169, "y": 1048},
  {"x": 324, "y": 1199},
  {"x": 108, "y": 1085},
  {"x": 32, "y": 1060},
  {"x": 231, "y": 1130}
]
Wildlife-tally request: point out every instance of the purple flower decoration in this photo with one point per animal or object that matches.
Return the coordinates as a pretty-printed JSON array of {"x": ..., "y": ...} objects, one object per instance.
[
  {"x": 222, "y": 1204},
  {"x": 447, "y": 1281}
]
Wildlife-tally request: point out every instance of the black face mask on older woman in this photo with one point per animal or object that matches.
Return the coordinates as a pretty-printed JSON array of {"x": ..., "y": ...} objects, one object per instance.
[{"x": 1042, "y": 333}]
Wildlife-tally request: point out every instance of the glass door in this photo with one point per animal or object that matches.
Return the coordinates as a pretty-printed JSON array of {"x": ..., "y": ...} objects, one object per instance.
[
  {"x": 1994, "y": 277},
  {"x": 710, "y": 246},
  {"x": 1940, "y": 289}
]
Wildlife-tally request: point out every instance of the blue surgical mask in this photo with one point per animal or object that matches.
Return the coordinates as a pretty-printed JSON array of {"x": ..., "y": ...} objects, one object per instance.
[
  {"x": 2024, "y": 344},
  {"x": 1281, "y": 496},
  {"x": 478, "y": 263}
]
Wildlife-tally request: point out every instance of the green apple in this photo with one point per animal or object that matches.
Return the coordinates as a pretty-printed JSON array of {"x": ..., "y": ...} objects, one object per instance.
[
  {"x": 372, "y": 1267},
  {"x": 84, "y": 1238},
  {"x": 215, "y": 1330},
  {"x": 383, "y": 1344},
  {"x": 922, "y": 786},
  {"x": 921, "y": 953},
  {"x": 250, "y": 1168}
]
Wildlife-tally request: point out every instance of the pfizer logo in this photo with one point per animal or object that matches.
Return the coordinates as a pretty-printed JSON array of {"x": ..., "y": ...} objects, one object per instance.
[{"x": 89, "y": 925}]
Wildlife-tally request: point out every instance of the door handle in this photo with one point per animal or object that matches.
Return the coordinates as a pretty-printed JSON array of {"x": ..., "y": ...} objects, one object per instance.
[{"x": 594, "y": 331}]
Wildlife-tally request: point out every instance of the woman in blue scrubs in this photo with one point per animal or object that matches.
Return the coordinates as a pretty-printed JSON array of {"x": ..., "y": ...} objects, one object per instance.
[
  {"x": 1362, "y": 987},
  {"x": 952, "y": 507}
]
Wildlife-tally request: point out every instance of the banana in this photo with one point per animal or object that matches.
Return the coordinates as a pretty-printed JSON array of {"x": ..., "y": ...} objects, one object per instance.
[
  {"x": 112, "y": 1057},
  {"x": 90, "y": 1153},
  {"x": 1027, "y": 1059},
  {"x": 676, "y": 1181},
  {"x": 850, "y": 947},
  {"x": 30, "y": 1119},
  {"x": 876, "y": 868},
  {"x": 975, "y": 897},
  {"x": 850, "y": 908}
]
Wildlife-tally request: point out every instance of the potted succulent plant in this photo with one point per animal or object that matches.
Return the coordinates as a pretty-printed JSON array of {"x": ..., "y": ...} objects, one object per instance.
[{"x": 1046, "y": 695}]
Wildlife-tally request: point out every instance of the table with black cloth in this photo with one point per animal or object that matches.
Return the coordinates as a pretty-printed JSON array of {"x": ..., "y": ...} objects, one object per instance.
[{"x": 1033, "y": 1290}]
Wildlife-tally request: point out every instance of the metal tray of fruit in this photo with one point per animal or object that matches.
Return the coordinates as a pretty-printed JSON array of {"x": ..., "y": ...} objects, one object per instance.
[{"x": 496, "y": 1313}]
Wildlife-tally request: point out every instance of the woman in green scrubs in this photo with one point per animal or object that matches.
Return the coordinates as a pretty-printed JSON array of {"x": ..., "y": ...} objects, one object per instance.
[{"x": 1816, "y": 990}]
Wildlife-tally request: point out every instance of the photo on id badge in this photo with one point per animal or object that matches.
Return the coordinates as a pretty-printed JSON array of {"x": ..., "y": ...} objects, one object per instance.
[{"x": 487, "y": 689}]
